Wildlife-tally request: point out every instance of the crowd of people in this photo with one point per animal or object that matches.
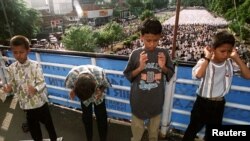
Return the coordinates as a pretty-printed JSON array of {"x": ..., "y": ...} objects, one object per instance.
[
  {"x": 193, "y": 35},
  {"x": 191, "y": 40}
]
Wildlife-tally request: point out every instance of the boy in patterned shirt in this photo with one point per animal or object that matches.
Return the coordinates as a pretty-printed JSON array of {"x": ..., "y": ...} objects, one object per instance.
[
  {"x": 26, "y": 80},
  {"x": 88, "y": 83}
]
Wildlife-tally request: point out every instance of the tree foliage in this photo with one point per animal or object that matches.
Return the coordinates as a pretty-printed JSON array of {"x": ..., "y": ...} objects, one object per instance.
[
  {"x": 80, "y": 39},
  {"x": 161, "y": 3},
  {"x": 138, "y": 6},
  {"x": 85, "y": 38},
  {"x": 110, "y": 33},
  {"x": 147, "y": 14},
  {"x": 22, "y": 20}
]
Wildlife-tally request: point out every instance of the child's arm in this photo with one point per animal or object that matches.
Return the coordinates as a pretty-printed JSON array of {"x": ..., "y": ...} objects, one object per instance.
[
  {"x": 143, "y": 60},
  {"x": 166, "y": 64},
  {"x": 72, "y": 94},
  {"x": 136, "y": 64},
  {"x": 7, "y": 88},
  {"x": 245, "y": 72},
  {"x": 39, "y": 82},
  {"x": 70, "y": 81},
  {"x": 200, "y": 72}
]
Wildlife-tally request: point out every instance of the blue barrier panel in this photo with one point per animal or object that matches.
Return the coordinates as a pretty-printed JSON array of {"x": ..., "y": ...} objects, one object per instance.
[
  {"x": 184, "y": 72},
  {"x": 118, "y": 80},
  {"x": 58, "y": 93},
  {"x": 182, "y": 119},
  {"x": 185, "y": 89},
  {"x": 182, "y": 104},
  {"x": 55, "y": 70},
  {"x": 65, "y": 59},
  {"x": 232, "y": 113},
  {"x": 121, "y": 108},
  {"x": 237, "y": 114},
  {"x": 239, "y": 81},
  {"x": 54, "y": 81},
  {"x": 238, "y": 97},
  {"x": 118, "y": 93},
  {"x": 111, "y": 64}
]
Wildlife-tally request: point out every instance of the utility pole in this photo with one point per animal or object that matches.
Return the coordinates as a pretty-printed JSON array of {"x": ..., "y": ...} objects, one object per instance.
[
  {"x": 166, "y": 114},
  {"x": 176, "y": 26},
  {"x": 6, "y": 18}
]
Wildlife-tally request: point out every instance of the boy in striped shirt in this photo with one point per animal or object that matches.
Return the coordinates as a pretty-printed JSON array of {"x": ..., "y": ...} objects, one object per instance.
[{"x": 216, "y": 72}]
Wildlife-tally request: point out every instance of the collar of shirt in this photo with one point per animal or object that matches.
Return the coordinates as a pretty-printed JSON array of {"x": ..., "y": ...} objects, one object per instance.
[{"x": 25, "y": 64}]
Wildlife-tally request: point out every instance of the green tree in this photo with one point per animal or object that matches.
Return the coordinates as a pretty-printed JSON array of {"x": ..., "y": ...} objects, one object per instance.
[
  {"x": 22, "y": 20},
  {"x": 80, "y": 39},
  {"x": 110, "y": 33},
  {"x": 136, "y": 6},
  {"x": 235, "y": 11},
  {"x": 147, "y": 14},
  {"x": 135, "y": 3},
  {"x": 148, "y": 4},
  {"x": 160, "y": 3}
]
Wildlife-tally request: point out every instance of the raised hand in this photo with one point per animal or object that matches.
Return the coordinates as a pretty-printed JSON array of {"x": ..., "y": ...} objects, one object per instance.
[
  {"x": 143, "y": 60},
  {"x": 161, "y": 59},
  {"x": 208, "y": 52},
  {"x": 72, "y": 94},
  {"x": 234, "y": 55},
  {"x": 7, "y": 88}
]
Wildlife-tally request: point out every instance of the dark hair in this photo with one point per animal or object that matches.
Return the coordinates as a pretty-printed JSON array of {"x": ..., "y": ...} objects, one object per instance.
[
  {"x": 20, "y": 40},
  {"x": 151, "y": 26},
  {"x": 223, "y": 37},
  {"x": 85, "y": 86}
]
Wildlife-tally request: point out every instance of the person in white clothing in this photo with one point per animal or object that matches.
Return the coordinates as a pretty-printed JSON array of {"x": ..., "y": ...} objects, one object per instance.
[{"x": 216, "y": 72}]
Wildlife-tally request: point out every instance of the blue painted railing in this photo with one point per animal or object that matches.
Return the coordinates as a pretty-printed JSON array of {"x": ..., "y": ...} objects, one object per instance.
[{"x": 56, "y": 65}]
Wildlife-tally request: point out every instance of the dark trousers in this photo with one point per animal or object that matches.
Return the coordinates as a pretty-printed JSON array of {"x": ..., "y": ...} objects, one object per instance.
[
  {"x": 34, "y": 117},
  {"x": 101, "y": 117},
  {"x": 204, "y": 113}
]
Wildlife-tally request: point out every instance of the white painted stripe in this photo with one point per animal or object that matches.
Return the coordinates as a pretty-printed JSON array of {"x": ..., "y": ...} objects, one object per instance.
[
  {"x": 117, "y": 99},
  {"x": 188, "y": 81},
  {"x": 239, "y": 122},
  {"x": 238, "y": 106},
  {"x": 183, "y": 112},
  {"x": 185, "y": 97},
  {"x": 179, "y": 124},
  {"x": 240, "y": 88},
  {"x": 14, "y": 102},
  {"x": 114, "y": 72},
  {"x": 58, "y": 88},
  {"x": 57, "y": 65},
  {"x": 6, "y": 122},
  {"x": 54, "y": 76},
  {"x": 121, "y": 87}
]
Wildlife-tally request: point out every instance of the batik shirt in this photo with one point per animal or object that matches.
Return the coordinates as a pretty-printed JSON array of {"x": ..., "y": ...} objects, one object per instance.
[
  {"x": 28, "y": 73},
  {"x": 98, "y": 74}
]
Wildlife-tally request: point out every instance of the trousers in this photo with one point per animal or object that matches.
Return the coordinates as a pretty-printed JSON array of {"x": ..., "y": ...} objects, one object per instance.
[{"x": 101, "y": 118}]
